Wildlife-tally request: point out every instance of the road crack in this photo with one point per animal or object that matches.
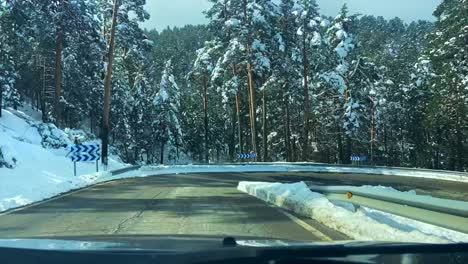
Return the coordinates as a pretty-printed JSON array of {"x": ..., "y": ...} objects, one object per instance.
[{"x": 134, "y": 216}]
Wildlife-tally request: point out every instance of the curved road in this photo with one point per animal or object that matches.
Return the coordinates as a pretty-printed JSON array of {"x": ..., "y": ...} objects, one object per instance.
[{"x": 192, "y": 204}]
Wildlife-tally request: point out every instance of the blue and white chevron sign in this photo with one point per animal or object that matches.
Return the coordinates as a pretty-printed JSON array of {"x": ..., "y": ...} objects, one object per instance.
[
  {"x": 247, "y": 156},
  {"x": 358, "y": 158},
  {"x": 86, "y": 157},
  {"x": 85, "y": 148}
]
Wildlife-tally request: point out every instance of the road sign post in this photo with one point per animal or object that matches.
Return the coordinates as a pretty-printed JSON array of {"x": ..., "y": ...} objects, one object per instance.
[{"x": 84, "y": 153}]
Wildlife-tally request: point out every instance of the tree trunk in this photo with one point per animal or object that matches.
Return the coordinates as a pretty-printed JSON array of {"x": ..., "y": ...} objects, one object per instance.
[
  {"x": 386, "y": 147},
  {"x": 284, "y": 92},
  {"x": 265, "y": 139},
  {"x": 107, "y": 96},
  {"x": 372, "y": 136},
  {"x": 205, "y": 114},
  {"x": 162, "y": 153},
  {"x": 349, "y": 150},
  {"x": 253, "y": 119},
  {"x": 1, "y": 99},
  {"x": 58, "y": 75},
  {"x": 305, "y": 144},
  {"x": 232, "y": 142},
  {"x": 239, "y": 123},
  {"x": 287, "y": 122},
  {"x": 340, "y": 146}
]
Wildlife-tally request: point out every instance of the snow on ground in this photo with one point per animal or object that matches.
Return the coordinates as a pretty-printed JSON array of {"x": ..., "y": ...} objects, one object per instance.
[
  {"x": 37, "y": 170},
  {"x": 362, "y": 224}
]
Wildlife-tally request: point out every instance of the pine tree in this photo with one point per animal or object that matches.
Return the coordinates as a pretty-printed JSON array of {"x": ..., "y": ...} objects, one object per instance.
[
  {"x": 9, "y": 95},
  {"x": 167, "y": 103},
  {"x": 449, "y": 107},
  {"x": 202, "y": 70},
  {"x": 284, "y": 73},
  {"x": 308, "y": 37}
]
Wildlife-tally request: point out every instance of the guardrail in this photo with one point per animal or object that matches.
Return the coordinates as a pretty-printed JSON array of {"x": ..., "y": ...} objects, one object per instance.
[
  {"x": 334, "y": 168},
  {"x": 312, "y": 164},
  {"x": 450, "y": 214},
  {"x": 124, "y": 170}
]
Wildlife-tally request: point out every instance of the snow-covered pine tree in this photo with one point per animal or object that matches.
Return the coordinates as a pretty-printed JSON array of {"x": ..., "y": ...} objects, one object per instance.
[
  {"x": 83, "y": 66},
  {"x": 345, "y": 107},
  {"x": 143, "y": 112},
  {"x": 201, "y": 73},
  {"x": 286, "y": 78},
  {"x": 167, "y": 102},
  {"x": 308, "y": 37},
  {"x": 448, "y": 113},
  {"x": 266, "y": 14},
  {"x": 224, "y": 24},
  {"x": 9, "y": 95}
]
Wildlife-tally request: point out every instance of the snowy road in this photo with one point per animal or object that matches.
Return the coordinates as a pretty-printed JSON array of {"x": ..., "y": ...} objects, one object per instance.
[{"x": 191, "y": 204}]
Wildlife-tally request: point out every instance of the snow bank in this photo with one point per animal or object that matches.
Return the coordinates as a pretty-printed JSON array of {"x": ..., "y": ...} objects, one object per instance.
[
  {"x": 362, "y": 224},
  {"x": 37, "y": 166}
]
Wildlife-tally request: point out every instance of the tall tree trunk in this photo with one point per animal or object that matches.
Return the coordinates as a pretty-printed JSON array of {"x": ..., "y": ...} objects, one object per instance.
[
  {"x": 459, "y": 146},
  {"x": 58, "y": 75},
  {"x": 264, "y": 109},
  {"x": 286, "y": 122},
  {"x": 253, "y": 119},
  {"x": 238, "y": 115},
  {"x": 107, "y": 95},
  {"x": 205, "y": 114},
  {"x": 340, "y": 146},
  {"x": 239, "y": 123},
  {"x": 1, "y": 85},
  {"x": 232, "y": 142},
  {"x": 349, "y": 150},
  {"x": 1, "y": 99},
  {"x": 162, "y": 153},
  {"x": 372, "y": 135},
  {"x": 305, "y": 144},
  {"x": 387, "y": 162}
]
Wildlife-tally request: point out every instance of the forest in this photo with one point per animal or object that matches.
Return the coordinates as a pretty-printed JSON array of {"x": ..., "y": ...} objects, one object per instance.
[{"x": 275, "y": 78}]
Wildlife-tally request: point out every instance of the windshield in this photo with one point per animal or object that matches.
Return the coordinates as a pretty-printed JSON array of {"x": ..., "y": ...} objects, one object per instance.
[{"x": 283, "y": 120}]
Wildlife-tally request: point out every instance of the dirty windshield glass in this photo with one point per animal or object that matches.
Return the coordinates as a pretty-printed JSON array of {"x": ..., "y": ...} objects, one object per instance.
[{"x": 273, "y": 120}]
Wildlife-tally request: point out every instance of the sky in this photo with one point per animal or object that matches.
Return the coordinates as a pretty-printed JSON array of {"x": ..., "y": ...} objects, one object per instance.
[{"x": 172, "y": 13}]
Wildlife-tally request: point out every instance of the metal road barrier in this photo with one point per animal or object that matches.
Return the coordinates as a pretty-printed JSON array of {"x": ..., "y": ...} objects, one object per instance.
[
  {"x": 124, "y": 170},
  {"x": 446, "y": 213},
  {"x": 346, "y": 169}
]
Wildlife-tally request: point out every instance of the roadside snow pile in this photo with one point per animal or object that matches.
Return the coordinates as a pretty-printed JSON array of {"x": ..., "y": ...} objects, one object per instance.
[
  {"x": 380, "y": 188},
  {"x": 363, "y": 224},
  {"x": 33, "y": 162}
]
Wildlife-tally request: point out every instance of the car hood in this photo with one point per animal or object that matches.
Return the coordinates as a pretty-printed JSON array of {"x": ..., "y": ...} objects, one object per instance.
[{"x": 149, "y": 243}]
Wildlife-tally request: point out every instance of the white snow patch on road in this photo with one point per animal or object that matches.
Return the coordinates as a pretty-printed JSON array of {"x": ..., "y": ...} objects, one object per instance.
[{"x": 363, "y": 224}]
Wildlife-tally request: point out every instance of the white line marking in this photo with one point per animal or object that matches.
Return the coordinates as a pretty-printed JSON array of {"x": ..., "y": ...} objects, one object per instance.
[{"x": 307, "y": 227}]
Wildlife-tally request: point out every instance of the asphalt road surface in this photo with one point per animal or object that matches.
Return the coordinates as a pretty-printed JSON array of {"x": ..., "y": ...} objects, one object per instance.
[{"x": 192, "y": 204}]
